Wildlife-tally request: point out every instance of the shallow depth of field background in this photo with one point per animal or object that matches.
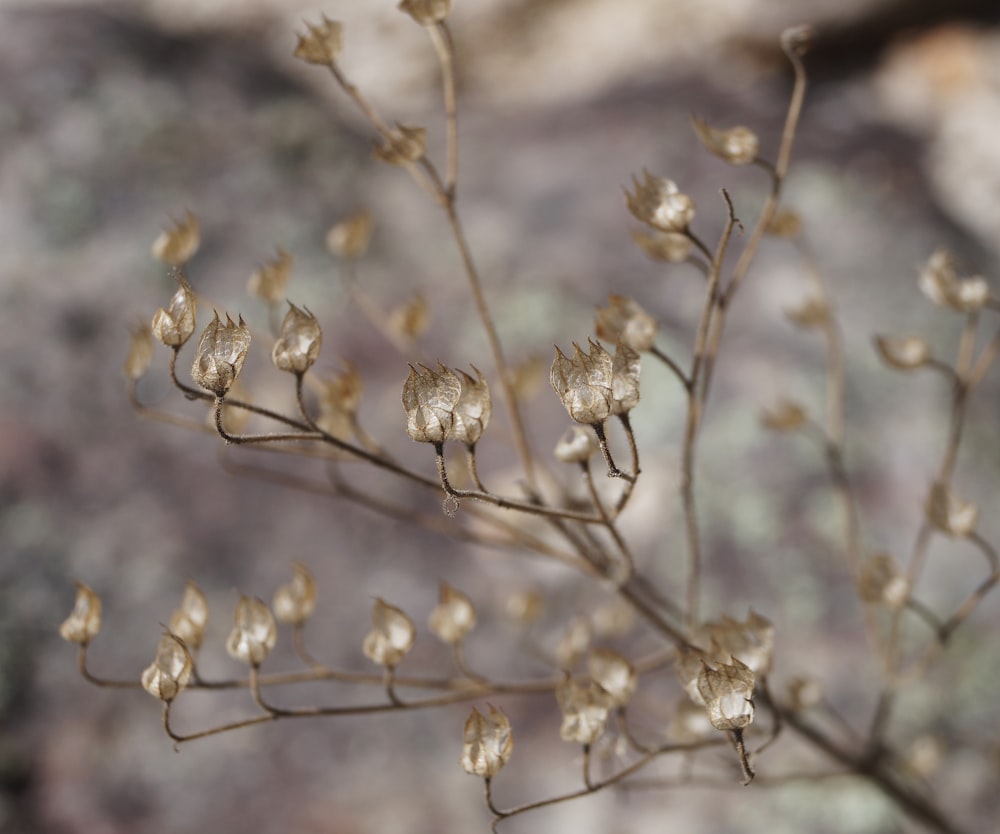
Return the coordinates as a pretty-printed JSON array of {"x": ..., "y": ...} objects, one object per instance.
[{"x": 116, "y": 117}]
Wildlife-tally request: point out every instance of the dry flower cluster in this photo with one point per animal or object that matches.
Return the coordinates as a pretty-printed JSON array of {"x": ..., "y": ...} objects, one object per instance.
[{"x": 720, "y": 668}]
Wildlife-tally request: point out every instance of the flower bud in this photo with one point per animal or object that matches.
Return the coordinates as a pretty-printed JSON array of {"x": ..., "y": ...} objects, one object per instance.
[
  {"x": 669, "y": 247},
  {"x": 188, "y": 622},
  {"x": 391, "y": 637},
  {"x": 84, "y": 622},
  {"x": 429, "y": 398},
  {"x": 583, "y": 383},
  {"x": 488, "y": 743},
  {"x": 167, "y": 676},
  {"x": 584, "y": 716},
  {"x": 623, "y": 320},
  {"x": 222, "y": 351},
  {"x": 349, "y": 238},
  {"x": 727, "y": 689},
  {"x": 254, "y": 632},
  {"x": 140, "y": 352},
  {"x": 577, "y": 445},
  {"x": 270, "y": 281},
  {"x": 404, "y": 144},
  {"x": 624, "y": 380},
  {"x": 298, "y": 345},
  {"x": 737, "y": 145},
  {"x": 905, "y": 353},
  {"x": 322, "y": 42},
  {"x": 658, "y": 202},
  {"x": 177, "y": 245},
  {"x": 295, "y": 602},
  {"x": 453, "y": 617},
  {"x": 174, "y": 326},
  {"x": 784, "y": 416},
  {"x": 613, "y": 675},
  {"x": 949, "y": 513},
  {"x": 426, "y": 12}
]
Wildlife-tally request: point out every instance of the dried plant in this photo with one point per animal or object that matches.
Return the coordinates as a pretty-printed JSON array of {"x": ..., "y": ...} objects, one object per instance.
[{"x": 675, "y": 687}]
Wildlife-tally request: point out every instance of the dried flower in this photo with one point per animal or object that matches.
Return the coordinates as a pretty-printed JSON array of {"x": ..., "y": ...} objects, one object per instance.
[
  {"x": 189, "y": 620},
  {"x": 583, "y": 383},
  {"x": 426, "y": 12},
  {"x": 613, "y": 676},
  {"x": 177, "y": 245},
  {"x": 727, "y": 690},
  {"x": 813, "y": 312},
  {"x": 658, "y": 202},
  {"x": 949, "y": 513},
  {"x": 624, "y": 380},
  {"x": 736, "y": 145},
  {"x": 905, "y": 353},
  {"x": 222, "y": 350},
  {"x": 322, "y": 42},
  {"x": 881, "y": 582},
  {"x": 140, "y": 351},
  {"x": 403, "y": 144},
  {"x": 784, "y": 416},
  {"x": 409, "y": 320},
  {"x": 623, "y": 320},
  {"x": 167, "y": 676},
  {"x": 270, "y": 281},
  {"x": 391, "y": 637},
  {"x": 84, "y": 622},
  {"x": 669, "y": 247},
  {"x": 349, "y": 238},
  {"x": 488, "y": 743},
  {"x": 254, "y": 632},
  {"x": 584, "y": 716},
  {"x": 174, "y": 326},
  {"x": 298, "y": 345},
  {"x": 577, "y": 445},
  {"x": 295, "y": 602},
  {"x": 940, "y": 282},
  {"x": 453, "y": 617},
  {"x": 429, "y": 398}
]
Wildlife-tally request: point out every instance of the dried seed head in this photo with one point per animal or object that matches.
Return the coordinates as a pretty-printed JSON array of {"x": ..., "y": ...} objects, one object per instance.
[
  {"x": 140, "y": 351},
  {"x": 784, "y": 416},
  {"x": 488, "y": 743},
  {"x": 167, "y": 676},
  {"x": 573, "y": 644},
  {"x": 404, "y": 144},
  {"x": 349, "y": 238},
  {"x": 905, "y": 353},
  {"x": 426, "y": 12},
  {"x": 613, "y": 676},
  {"x": 84, "y": 622},
  {"x": 727, "y": 690},
  {"x": 577, "y": 445},
  {"x": 189, "y": 620},
  {"x": 222, "y": 350},
  {"x": 658, "y": 202},
  {"x": 472, "y": 411},
  {"x": 736, "y": 145},
  {"x": 177, "y": 245},
  {"x": 270, "y": 281},
  {"x": 584, "y": 716},
  {"x": 940, "y": 282},
  {"x": 409, "y": 321},
  {"x": 624, "y": 380},
  {"x": 583, "y": 383},
  {"x": 254, "y": 632},
  {"x": 669, "y": 247},
  {"x": 322, "y": 42},
  {"x": 813, "y": 312},
  {"x": 429, "y": 398},
  {"x": 391, "y": 637},
  {"x": 949, "y": 513},
  {"x": 750, "y": 641},
  {"x": 453, "y": 617},
  {"x": 174, "y": 326},
  {"x": 623, "y": 320},
  {"x": 295, "y": 602},
  {"x": 298, "y": 345},
  {"x": 882, "y": 583}
]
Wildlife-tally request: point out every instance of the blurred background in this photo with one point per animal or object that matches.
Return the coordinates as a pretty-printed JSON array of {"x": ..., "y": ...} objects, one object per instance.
[{"x": 116, "y": 117}]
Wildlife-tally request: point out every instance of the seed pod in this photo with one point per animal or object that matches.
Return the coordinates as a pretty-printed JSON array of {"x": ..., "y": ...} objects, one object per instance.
[
  {"x": 349, "y": 238},
  {"x": 189, "y": 620},
  {"x": 174, "y": 326},
  {"x": 391, "y": 637},
  {"x": 613, "y": 676},
  {"x": 623, "y": 320},
  {"x": 405, "y": 143},
  {"x": 426, "y": 12},
  {"x": 409, "y": 321},
  {"x": 473, "y": 410},
  {"x": 322, "y": 42},
  {"x": 940, "y": 282},
  {"x": 949, "y": 513},
  {"x": 813, "y": 312},
  {"x": 140, "y": 352},
  {"x": 295, "y": 602},
  {"x": 750, "y": 641},
  {"x": 488, "y": 743},
  {"x": 882, "y": 583},
  {"x": 905, "y": 353},
  {"x": 584, "y": 716},
  {"x": 668, "y": 247},
  {"x": 583, "y": 383},
  {"x": 727, "y": 689},
  {"x": 453, "y": 617},
  {"x": 84, "y": 622},
  {"x": 624, "y": 380},
  {"x": 736, "y": 145},
  {"x": 429, "y": 398},
  {"x": 784, "y": 416},
  {"x": 298, "y": 345},
  {"x": 270, "y": 281},
  {"x": 658, "y": 202},
  {"x": 177, "y": 245},
  {"x": 167, "y": 676},
  {"x": 577, "y": 445},
  {"x": 573, "y": 644},
  {"x": 254, "y": 632},
  {"x": 222, "y": 351}
]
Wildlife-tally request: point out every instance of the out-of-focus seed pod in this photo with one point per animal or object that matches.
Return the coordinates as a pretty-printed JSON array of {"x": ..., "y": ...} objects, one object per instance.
[
  {"x": 814, "y": 312},
  {"x": 391, "y": 637},
  {"x": 785, "y": 223},
  {"x": 623, "y": 320},
  {"x": 659, "y": 203},
  {"x": 298, "y": 346},
  {"x": 613, "y": 675},
  {"x": 750, "y": 641},
  {"x": 584, "y": 716},
  {"x": 254, "y": 632},
  {"x": 940, "y": 282},
  {"x": 409, "y": 321},
  {"x": 524, "y": 607},
  {"x": 84, "y": 622},
  {"x": 177, "y": 244},
  {"x": 736, "y": 145},
  {"x": 784, "y": 416},
  {"x": 349, "y": 238},
  {"x": 804, "y": 693},
  {"x": 222, "y": 350},
  {"x": 405, "y": 143},
  {"x": 453, "y": 617},
  {"x": 140, "y": 352},
  {"x": 295, "y": 602},
  {"x": 577, "y": 445},
  {"x": 574, "y": 643},
  {"x": 487, "y": 744},
  {"x": 426, "y": 12},
  {"x": 881, "y": 582},
  {"x": 583, "y": 383},
  {"x": 174, "y": 326},
  {"x": 189, "y": 620},
  {"x": 668, "y": 247},
  {"x": 322, "y": 42},
  {"x": 624, "y": 380},
  {"x": 168, "y": 675},
  {"x": 270, "y": 281},
  {"x": 949, "y": 513},
  {"x": 904, "y": 353}
]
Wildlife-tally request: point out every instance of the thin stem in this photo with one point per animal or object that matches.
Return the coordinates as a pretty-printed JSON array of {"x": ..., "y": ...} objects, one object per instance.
[
  {"x": 608, "y": 522},
  {"x": 670, "y": 363},
  {"x": 441, "y": 38},
  {"x": 613, "y": 470}
]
